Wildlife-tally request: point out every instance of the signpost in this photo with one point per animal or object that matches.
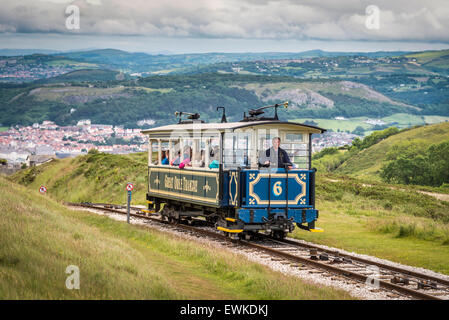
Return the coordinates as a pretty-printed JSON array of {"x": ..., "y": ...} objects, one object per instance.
[
  {"x": 129, "y": 188},
  {"x": 42, "y": 190}
]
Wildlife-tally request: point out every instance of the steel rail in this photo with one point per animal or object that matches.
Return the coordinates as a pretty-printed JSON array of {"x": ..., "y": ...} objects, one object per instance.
[
  {"x": 320, "y": 265},
  {"x": 415, "y": 274}
]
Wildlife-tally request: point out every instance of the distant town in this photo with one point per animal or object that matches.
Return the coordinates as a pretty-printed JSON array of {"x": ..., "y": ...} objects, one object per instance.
[
  {"x": 11, "y": 69},
  {"x": 332, "y": 139},
  {"x": 33, "y": 145}
]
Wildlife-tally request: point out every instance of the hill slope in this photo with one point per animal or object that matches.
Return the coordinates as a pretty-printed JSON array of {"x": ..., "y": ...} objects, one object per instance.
[
  {"x": 120, "y": 261},
  {"x": 93, "y": 178},
  {"x": 158, "y": 97},
  {"x": 367, "y": 163},
  {"x": 87, "y": 75}
]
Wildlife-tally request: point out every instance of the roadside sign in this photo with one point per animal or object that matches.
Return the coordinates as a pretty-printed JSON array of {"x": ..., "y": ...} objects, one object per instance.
[
  {"x": 42, "y": 189},
  {"x": 129, "y": 187}
]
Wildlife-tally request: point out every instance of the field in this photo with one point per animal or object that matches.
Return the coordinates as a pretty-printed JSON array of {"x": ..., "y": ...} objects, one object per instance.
[
  {"x": 62, "y": 93},
  {"x": 4, "y": 129},
  {"x": 400, "y": 120},
  {"x": 427, "y": 56},
  {"x": 66, "y": 62},
  {"x": 120, "y": 261},
  {"x": 367, "y": 163},
  {"x": 398, "y": 224},
  {"x": 103, "y": 177}
]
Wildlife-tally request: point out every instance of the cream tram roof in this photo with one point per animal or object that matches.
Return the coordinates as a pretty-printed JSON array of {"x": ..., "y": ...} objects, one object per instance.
[{"x": 232, "y": 126}]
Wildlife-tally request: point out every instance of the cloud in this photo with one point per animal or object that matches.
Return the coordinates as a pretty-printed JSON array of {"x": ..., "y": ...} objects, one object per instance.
[{"x": 400, "y": 20}]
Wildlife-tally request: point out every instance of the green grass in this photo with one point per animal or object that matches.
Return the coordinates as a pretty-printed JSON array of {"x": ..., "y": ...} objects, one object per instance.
[
  {"x": 161, "y": 90},
  {"x": 400, "y": 224},
  {"x": 368, "y": 162},
  {"x": 357, "y": 214},
  {"x": 4, "y": 129},
  {"x": 40, "y": 238},
  {"x": 401, "y": 120},
  {"x": 59, "y": 93},
  {"x": 94, "y": 177},
  {"x": 427, "y": 56},
  {"x": 65, "y": 62},
  {"x": 381, "y": 236},
  {"x": 343, "y": 125}
]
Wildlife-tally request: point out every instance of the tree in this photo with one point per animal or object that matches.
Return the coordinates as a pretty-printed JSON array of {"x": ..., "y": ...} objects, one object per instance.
[
  {"x": 424, "y": 167},
  {"x": 359, "y": 131}
]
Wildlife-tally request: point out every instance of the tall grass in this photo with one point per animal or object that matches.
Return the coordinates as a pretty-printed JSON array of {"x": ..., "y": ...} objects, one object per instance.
[{"x": 39, "y": 238}]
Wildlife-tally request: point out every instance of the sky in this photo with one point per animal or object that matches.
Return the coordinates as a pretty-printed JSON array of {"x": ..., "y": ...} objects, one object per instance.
[{"x": 175, "y": 26}]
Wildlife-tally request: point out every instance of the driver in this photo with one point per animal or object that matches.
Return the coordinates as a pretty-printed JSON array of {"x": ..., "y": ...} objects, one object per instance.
[{"x": 276, "y": 156}]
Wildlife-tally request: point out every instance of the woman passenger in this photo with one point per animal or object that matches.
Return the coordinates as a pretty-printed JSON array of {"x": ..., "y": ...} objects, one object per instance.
[
  {"x": 177, "y": 160},
  {"x": 165, "y": 157},
  {"x": 187, "y": 156}
]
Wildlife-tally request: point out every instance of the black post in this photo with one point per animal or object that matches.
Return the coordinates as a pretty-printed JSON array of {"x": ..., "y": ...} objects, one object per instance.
[
  {"x": 286, "y": 191},
  {"x": 128, "y": 206}
]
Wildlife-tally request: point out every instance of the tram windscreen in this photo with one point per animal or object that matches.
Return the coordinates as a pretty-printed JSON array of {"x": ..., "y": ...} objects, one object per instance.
[{"x": 296, "y": 145}]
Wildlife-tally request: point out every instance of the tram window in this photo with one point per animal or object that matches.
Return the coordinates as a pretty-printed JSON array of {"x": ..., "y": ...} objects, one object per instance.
[
  {"x": 187, "y": 155},
  {"x": 297, "y": 149},
  {"x": 154, "y": 152},
  {"x": 236, "y": 150},
  {"x": 176, "y": 158},
  {"x": 198, "y": 154},
  {"x": 293, "y": 137},
  {"x": 214, "y": 152}
]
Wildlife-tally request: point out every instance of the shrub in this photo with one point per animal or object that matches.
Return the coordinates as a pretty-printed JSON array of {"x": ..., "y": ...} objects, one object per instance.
[
  {"x": 428, "y": 167},
  {"x": 388, "y": 205}
]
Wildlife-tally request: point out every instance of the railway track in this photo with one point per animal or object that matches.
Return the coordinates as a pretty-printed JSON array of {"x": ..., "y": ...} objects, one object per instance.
[{"x": 374, "y": 274}]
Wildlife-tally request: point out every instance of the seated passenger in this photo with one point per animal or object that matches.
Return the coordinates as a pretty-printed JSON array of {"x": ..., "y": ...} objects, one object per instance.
[
  {"x": 187, "y": 155},
  {"x": 198, "y": 160},
  {"x": 203, "y": 159},
  {"x": 214, "y": 164},
  {"x": 177, "y": 160},
  {"x": 214, "y": 153},
  {"x": 275, "y": 156},
  {"x": 165, "y": 157}
]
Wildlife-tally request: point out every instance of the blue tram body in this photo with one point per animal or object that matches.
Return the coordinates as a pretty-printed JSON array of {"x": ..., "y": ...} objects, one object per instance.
[
  {"x": 277, "y": 191},
  {"x": 262, "y": 198},
  {"x": 221, "y": 175}
]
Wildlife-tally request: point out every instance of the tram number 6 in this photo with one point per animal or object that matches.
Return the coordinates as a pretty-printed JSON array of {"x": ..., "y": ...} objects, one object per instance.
[{"x": 277, "y": 188}]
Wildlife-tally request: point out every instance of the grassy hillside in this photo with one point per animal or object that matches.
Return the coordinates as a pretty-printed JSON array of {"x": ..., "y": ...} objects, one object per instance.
[
  {"x": 120, "y": 261},
  {"x": 94, "y": 177},
  {"x": 368, "y": 162},
  {"x": 412, "y": 227},
  {"x": 432, "y": 60},
  {"x": 399, "y": 224},
  {"x": 125, "y": 102},
  {"x": 85, "y": 75},
  {"x": 400, "y": 120}
]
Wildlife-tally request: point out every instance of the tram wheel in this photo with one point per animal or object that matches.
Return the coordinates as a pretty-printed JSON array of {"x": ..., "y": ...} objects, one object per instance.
[{"x": 278, "y": 234}]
